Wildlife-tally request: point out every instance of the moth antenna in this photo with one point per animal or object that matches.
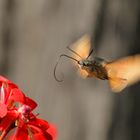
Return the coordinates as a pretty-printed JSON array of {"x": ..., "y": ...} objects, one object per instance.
[
  {"x": 90, "y": 53},
  {"x": 62, "y": 55},
  {"x": 58, "y": 80},
  {"x": 73, "y": 51}
]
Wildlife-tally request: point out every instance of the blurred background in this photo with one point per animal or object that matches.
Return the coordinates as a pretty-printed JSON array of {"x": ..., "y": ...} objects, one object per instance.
[{"x": 33, "y": 33}]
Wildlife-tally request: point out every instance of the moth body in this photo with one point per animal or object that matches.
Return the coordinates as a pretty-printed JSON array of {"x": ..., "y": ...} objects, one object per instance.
[
  {"x": 94, "y": 67},
  {"x": 119, "y": 73}
]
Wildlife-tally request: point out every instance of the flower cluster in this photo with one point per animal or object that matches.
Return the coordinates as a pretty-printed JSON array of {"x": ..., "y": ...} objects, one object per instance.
[{"x": 17, "y": 122}]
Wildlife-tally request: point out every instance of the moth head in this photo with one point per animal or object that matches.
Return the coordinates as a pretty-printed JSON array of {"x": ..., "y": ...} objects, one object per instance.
[{"x": 84, "y": 64}]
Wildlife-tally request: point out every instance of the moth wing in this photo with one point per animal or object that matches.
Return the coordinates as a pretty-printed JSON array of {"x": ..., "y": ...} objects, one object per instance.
[
  {"x": 125, "y": 68},
  {"x": 117, "y": 84},
  {"x": 82, "y": 47}
]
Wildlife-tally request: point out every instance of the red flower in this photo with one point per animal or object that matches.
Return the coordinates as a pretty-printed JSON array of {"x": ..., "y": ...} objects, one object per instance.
[{"x": 16, "y": 113}]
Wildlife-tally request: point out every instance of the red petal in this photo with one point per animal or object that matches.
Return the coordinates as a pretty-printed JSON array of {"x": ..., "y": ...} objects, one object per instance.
[
  {"x": 52, "y": 131},
  {"x": 7, "y": 122},
  {"x": 37, "y": 133},
  {"x": 20, "y": 134},
  {"x": 41, "y": 136},
  {"x": 44, "y": 125},
  {"x": 30, "y": 102},
  {"x": 3, "y": 110},
  {"x": 3, "y": 79},
  {"x": 5, "y": 91},
  {"x": 17, "y": 96}
]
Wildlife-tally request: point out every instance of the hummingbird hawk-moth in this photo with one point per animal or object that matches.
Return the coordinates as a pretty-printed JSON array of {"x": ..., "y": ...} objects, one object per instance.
[{"x": 119, "y": 73}]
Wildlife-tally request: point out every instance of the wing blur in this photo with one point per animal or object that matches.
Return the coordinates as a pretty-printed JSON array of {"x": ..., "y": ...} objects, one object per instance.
[
  {"x": 123, "y": 72},
  {"x": 82, "y": 47},
  {"x": 117, "y": 84}
]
